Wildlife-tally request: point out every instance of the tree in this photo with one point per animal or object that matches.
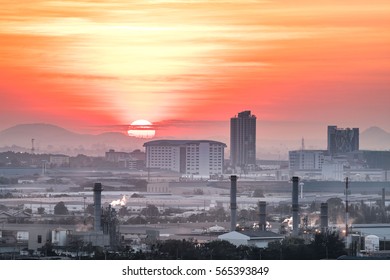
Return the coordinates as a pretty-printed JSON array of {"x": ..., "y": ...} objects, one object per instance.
[
  {"x": 327, "y": 246},
  {"x": 150, "y": 211},
  {"x": 198, "y": 192},
  {"x": 41, "y": 210},
  {"x": 220, "y": 250},
  {"x": 60, "y": 209},
  {"x": 47, "y": 250},
  {"x": 258, "y": 193},
  {"x": 123, "y": 211},
  {"x": 176, "y": 249},
  {"x": 90, "y": 209},
  {"x": 218, "y": 214},
  {"x": 290, "y": 248}
]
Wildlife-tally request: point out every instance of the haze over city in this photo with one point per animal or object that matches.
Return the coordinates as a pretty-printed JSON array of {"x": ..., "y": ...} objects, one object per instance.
[
  {"x": 189, "y": 66},
  {"x": 193, "y": 129}
]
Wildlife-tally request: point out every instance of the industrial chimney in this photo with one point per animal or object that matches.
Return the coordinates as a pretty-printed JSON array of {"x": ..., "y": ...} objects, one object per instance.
[
  {"x": 295, "y": 206},
  {"x": 383, "y": 205},
  {"x": 97, "y": 200},
  {"x": 324, "y": 216},
  {"x": 383, "y": 200},
  {"x": 262, "y": 216},
  {"x": 233, "y": 203}
]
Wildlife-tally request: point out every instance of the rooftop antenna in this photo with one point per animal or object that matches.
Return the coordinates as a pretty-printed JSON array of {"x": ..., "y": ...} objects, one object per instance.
[
  {"x": 32, "y": 145},
  {"x": 303, "y": 144}
]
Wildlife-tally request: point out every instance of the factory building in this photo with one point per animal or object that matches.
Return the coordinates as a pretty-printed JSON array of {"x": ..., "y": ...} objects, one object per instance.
[{"x": 105, "y": 233}]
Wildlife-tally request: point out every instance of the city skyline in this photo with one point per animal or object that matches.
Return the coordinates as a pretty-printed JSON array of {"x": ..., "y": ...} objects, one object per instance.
[{"x": 188, "y": 66}]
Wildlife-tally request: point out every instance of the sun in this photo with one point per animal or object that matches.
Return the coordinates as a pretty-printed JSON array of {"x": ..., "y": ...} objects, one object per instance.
[{"x": 141, "y": 129}]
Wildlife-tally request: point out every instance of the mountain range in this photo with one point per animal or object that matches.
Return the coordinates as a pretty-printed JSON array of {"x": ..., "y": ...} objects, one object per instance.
[
  {"x": 54, "y": 139},
  {"x": 374, "y": 138}
]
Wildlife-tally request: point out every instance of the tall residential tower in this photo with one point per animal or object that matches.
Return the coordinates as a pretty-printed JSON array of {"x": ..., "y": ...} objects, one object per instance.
[{"x": 243, "y": 140}]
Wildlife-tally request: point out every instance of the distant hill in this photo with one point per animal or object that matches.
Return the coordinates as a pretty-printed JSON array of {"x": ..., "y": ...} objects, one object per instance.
[
  {"x": 54, "y": 139},
  {"x": 374, "y": 138}
]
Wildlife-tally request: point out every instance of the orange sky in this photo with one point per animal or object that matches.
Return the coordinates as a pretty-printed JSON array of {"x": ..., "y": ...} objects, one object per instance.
[{"x": 297, "y": 65}]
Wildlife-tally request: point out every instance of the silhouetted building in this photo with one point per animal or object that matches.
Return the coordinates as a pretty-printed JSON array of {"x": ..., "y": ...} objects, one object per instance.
[
  {"x": 114, "y": 156},
  {"x": 134, "y": 160},
  {"x": 191, "y": 157},
  {"x": 342, "y": 140},
  {"x": 243, "y": 140},
  {"x": 59, "y": 161}
]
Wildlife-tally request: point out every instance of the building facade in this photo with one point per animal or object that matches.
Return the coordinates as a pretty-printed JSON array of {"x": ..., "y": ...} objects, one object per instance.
[
  {"x": 342, "y": 140},
  {"x": 59, "y": 160},
  {"x": 243, "y": 140},
  {"x": 134, "y": 160},
  {"x": 190, "y": 157},
  {"x": 306, "y": 159}
]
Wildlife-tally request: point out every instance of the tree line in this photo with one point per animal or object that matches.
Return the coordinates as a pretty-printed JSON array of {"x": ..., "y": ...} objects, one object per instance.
[{"x": 322, "y": 246}]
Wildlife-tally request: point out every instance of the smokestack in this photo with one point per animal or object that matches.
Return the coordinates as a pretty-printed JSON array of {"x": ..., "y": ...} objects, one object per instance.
[
  {"x": 262, "y": 215},
  {"x": 295, "y": 206},
  {"x": 383, "y": 205},
  {"x": 97, "y": 200},
  {"x": 383, "y": 199},
  {"x": 233, "y": 203},
  {"x": 324, "y": 216},
  {"x": 346, "y": 207}
]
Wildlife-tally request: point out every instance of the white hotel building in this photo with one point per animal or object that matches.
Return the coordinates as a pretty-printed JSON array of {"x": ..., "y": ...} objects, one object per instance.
[{"x": 190, "y": 157}]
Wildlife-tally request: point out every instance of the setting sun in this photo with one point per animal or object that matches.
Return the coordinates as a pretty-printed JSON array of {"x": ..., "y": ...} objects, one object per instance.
[{"x": 141, "y": 129}]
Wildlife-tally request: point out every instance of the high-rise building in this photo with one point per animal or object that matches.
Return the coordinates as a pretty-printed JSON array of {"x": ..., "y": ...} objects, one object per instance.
[
  {"x": 243, "y": 140},
  {"x": 191, "y": 157},
  {"x": 342, "y": 140}
]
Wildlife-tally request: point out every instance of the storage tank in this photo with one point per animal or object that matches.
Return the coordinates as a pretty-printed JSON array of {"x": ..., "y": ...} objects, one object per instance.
[
  {"x": 371, "y": 243},
  {"x": 59, "y": 237}
]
